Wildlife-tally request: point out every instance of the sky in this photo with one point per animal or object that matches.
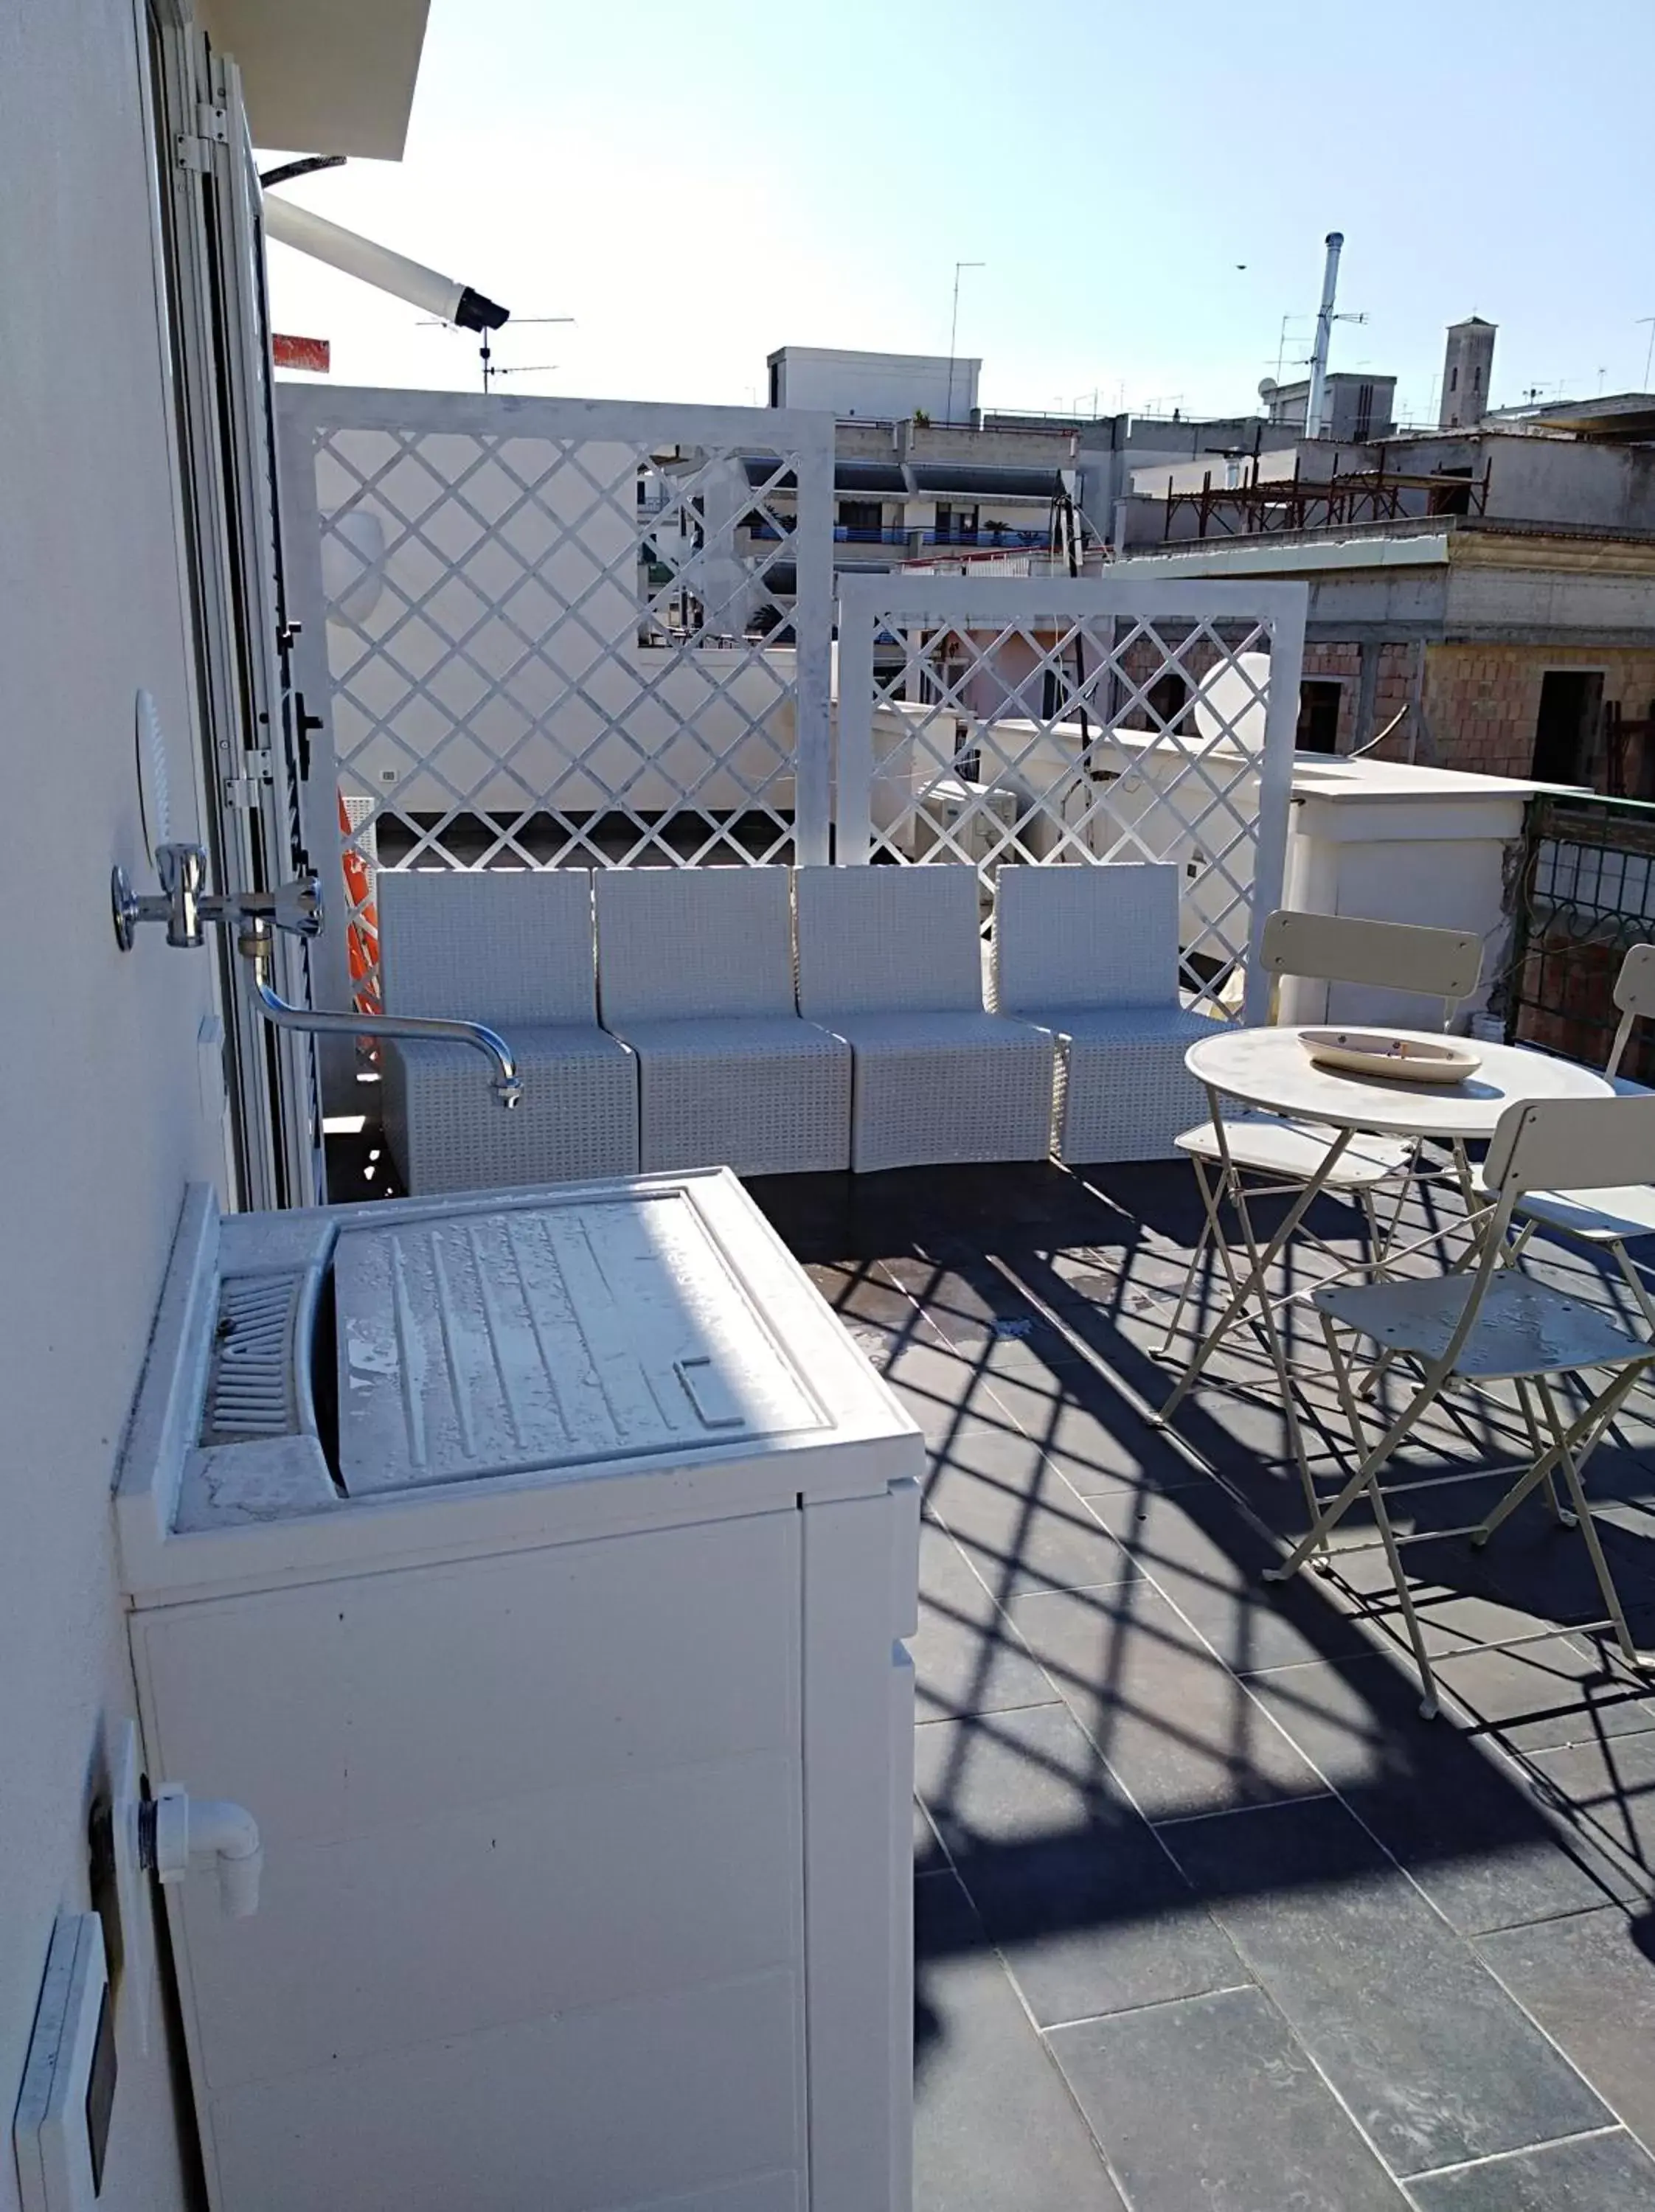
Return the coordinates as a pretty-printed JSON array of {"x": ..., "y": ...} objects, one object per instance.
[{"x": 697, "y": 182}]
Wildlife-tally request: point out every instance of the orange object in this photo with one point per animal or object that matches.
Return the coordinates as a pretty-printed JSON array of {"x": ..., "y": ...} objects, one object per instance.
[
  {"x": 362, "y": 929},
  {"x": 315, "y": 355}
]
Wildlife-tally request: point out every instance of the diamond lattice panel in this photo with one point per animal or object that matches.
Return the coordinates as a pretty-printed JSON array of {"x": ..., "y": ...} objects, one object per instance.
[
  {"x": 992, "y": 722},
  {"x": 569, "y": 634}
]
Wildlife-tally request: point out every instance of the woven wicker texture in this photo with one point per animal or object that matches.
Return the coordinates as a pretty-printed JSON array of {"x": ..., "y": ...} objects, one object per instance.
[
  {"x": 579, "y": 1115},
  {"x": 938, "y": 1087},
  {"x": 762, "y": 1094},
  {"x": 497, "y": 945},
  {"x": 888, "y": 940},
  {"x": 674, "y": 944},
  {"x": 1079, "y": 936},
  {"x": 1122, "y": 1090}
]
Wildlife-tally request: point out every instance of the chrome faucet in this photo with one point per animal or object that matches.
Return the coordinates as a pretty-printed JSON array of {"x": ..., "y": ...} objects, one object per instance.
[
  {"x": 256, "y": 943},
  {"x": 185, "y": 903},
  {"x": 184, "y": 906}
]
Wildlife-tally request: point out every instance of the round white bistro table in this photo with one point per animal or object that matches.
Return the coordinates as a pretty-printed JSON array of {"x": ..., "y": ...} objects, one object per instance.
[{"x": 1270, "y": 1068}]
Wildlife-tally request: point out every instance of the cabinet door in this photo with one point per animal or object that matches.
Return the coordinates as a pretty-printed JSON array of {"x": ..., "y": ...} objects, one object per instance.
[
  {"x": 534, "y": 1900},
  {"x": 859, "y": 1575}
]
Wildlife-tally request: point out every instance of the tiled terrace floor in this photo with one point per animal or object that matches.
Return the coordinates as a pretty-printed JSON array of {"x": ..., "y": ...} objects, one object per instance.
[{"x": 1207, "y": 1915}]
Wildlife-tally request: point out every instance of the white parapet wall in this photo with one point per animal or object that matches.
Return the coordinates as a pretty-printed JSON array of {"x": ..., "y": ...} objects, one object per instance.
[
  {"x": 1392, "y": 842},
  {"x": 1377, "y": 839}
]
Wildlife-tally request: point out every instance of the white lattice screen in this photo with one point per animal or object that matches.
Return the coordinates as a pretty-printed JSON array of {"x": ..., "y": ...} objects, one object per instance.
[
  {"x": 991, "y": 720},
  {"x": 559, "y": 632}
]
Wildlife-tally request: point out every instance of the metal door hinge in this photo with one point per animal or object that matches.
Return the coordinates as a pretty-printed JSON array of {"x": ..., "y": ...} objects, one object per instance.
[
  {"x": 243, "y": 790},
  {"x": 212, "y": 128}
]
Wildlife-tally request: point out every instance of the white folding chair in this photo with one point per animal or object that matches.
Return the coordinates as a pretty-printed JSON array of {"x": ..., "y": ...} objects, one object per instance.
[
  {"x": 1090, "y": 954},
  {"x": 1491, "y": 1323},
  {"x": 1252, "y": 1155},
  {"x": 1606, "y": 1220},
  {"x": 891, "y": 960},
  {"x": 513, "y": 948},
  {"x": 695, "y": 972}
]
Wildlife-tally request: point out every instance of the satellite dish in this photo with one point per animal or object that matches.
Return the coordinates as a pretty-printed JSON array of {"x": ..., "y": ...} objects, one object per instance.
[
  {"x": 1226, "y": 706},
  {"x": 1267, "y": 388}
]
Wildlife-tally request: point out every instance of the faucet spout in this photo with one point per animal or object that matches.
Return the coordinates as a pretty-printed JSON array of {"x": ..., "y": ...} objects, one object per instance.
[{"x": 257, "y": 943}]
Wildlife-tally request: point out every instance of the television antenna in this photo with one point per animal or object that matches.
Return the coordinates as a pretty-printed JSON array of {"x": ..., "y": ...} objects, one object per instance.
[
  {"x": 953, "y": 334},
  {"x": 485, "y": 353}
]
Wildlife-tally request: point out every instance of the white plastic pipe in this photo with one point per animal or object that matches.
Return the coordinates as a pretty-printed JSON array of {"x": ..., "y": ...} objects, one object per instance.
[
  {"x": 422, "y": 288},
  {"x": 189, "y": 1828},
  {"x": 1316, "y": 400}
]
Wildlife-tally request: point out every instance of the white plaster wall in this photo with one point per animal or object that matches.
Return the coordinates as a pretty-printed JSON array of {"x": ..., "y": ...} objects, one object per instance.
[
  {"x": 102, "y": 1116},
  {"x": 887, "y": 386}
]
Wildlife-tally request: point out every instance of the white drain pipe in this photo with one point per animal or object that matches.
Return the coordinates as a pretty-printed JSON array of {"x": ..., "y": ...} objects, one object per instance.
[
  {"x": 207, "y": 1828},
  {"x": 1315, "y": 404}
]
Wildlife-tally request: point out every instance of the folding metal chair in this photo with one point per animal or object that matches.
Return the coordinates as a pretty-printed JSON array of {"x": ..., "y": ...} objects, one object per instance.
[
  {"x": 1282, "y": 1156},
  {"x": 1606, "y": 1220},
  {"x": 1491, "y": 1323}
]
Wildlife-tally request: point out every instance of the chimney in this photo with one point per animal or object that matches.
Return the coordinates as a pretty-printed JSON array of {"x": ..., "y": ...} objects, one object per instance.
[
  {"x": 1467, "y": 367},
  {"x": 1317, "y": 395}
]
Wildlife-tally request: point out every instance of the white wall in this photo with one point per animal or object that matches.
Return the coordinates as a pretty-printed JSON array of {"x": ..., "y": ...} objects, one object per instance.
[
  {"x": 102, "y": 1116},
  {"x": 887, "y": 386}
]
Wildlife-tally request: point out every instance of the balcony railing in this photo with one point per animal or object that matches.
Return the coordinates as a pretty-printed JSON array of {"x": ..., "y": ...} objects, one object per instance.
[
  {"x": 1587, "y": 894},
  {"x": 986, "y": 533}
]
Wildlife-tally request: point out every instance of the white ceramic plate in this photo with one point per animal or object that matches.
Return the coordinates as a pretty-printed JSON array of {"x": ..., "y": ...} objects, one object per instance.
[{"x": 1395, "y": 1060}]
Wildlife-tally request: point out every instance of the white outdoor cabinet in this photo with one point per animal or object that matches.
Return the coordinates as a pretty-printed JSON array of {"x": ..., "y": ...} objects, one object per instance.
[{"x": 536, "y": 1568}]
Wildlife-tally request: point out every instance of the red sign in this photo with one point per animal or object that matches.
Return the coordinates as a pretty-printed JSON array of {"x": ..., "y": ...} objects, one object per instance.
[{"x": 300, "y": 353}]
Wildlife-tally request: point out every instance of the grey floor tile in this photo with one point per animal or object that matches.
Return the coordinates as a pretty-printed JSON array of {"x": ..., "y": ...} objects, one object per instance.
[
  {"x": 861, "y": 1289},
  {"x": 929, "y": 1855},
  {"x": 1196, "y": 1547},
  {"x": 1099, "y": 1442},
  {"x": 1431, "y": 2055},
  {"x": 967, "y": 1657},
  {"x": 1603, "y": 2174},
  {"x": 1590, "y": 1981},
  {"x": 1174, "y": 1725},
  {"x": 978, "y": 1311},
  {"x": 1470, "y": 1827},
  {"x": 1030, "y": 1533},
  {"x": 1090, "y": 1913},
  {"x": 1607, "y": 1790},
  {"x": 1548, "y": 1694},
  {"x": 993, "y": 2126},
  {"x": 1536, "y": 1566},
  {"x": 1212, "y": 2102},
  {"x": 942, "y": 1388},
  {"x": 996, "y": 1449}
]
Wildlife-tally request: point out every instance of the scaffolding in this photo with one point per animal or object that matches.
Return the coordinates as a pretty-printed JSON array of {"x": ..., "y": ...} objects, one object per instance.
[{"x": 1261, "y": 505}]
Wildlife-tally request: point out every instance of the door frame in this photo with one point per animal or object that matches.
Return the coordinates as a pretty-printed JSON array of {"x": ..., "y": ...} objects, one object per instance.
[{"x": 210, "y": 290}]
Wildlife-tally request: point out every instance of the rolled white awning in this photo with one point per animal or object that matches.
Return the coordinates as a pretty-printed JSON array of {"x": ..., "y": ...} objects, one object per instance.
[{"x": 443, "y": 296}]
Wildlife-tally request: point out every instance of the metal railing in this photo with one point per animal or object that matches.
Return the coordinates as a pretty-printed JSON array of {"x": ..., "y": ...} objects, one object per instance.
[
  {"x": 989, "y": 534},
  {"x": 1585, "y": 895}
]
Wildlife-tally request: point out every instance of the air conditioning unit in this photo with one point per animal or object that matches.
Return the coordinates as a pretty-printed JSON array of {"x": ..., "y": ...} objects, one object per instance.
[{"x": 966, "y": 821}]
